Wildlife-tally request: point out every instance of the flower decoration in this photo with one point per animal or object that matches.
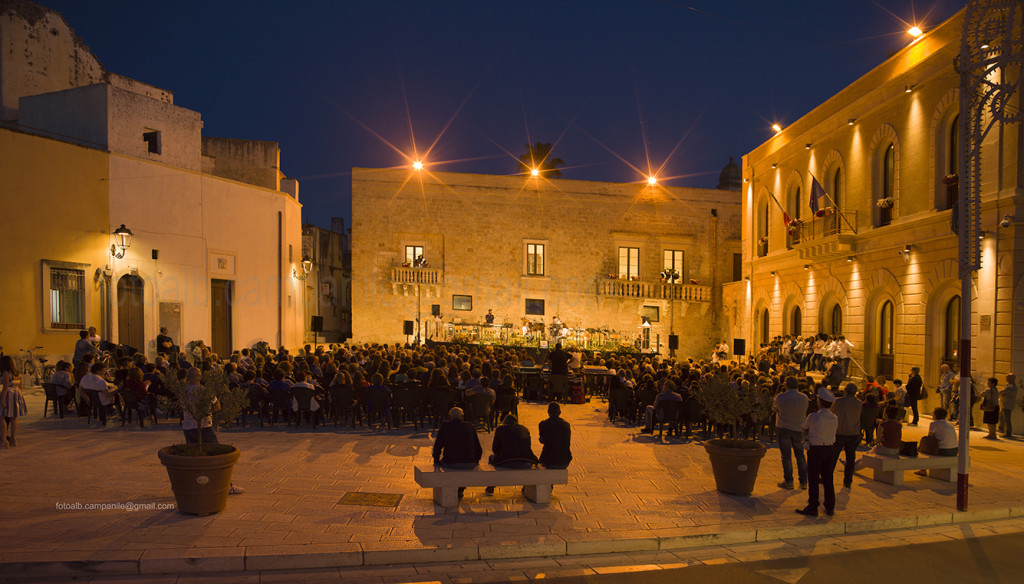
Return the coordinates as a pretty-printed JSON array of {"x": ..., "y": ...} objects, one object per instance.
[
  {"x": 822, "y": 212},
  {"x": 884, "y": 202},
  {"x": 951, "y": 179}
]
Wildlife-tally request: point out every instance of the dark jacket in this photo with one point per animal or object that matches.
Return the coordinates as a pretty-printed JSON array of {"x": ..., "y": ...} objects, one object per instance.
[
  {"x": 457, "y": 443},
  {"x": 555, "y": 435},
  {"x": 559, "y": 362},
  {"x": 914, "y": 384},
  {"x": 512, "y": 442}
]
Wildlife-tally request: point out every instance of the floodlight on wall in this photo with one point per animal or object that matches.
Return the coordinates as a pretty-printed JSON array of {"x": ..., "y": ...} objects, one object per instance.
[
  {"x": 307, "y": 266},
  {"x": 905, "y": 252},
  {"x": 807, "y": 146},
  {"x": 775, "y": 165},
  {"x": 417, "y": 165},
  {"x": 122, "y": 241},
  {"x": 777, "y": 128},
  {"x": 915, "y": 31},
  {"x": 850, "y": 258},
  {"x": 851, "y": 121},
  {"x": 909, "y": 88},
  {"x": 807, "y": 267},
  {"x": 774, "y": 273},
  {"x": 1007, "y": 221}
]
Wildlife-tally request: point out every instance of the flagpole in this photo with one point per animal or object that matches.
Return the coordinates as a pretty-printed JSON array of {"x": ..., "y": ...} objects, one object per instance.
[{"x": 834, "y": 205}]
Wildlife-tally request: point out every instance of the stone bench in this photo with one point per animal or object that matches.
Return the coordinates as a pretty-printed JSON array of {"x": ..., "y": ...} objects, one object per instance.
[
  {"x": 446, "y": 482},
  {"x": 890, "y": 469}
]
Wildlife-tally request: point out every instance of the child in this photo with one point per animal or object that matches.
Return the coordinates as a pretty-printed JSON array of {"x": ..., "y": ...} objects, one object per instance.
[
  {"x": 63, "y": 381},
  {"x": 12, "y": 402}
]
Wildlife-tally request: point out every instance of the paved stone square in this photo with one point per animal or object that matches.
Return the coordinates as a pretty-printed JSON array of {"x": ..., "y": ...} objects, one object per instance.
[{"x": 627, "y": 492}]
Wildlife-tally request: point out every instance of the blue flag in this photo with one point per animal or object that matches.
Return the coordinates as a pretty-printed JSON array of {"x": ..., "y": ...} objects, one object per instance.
[{"x": 817, "y": 191}]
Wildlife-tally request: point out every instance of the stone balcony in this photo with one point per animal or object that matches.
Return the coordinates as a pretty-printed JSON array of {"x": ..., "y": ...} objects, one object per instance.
[
  {"x": 655, "y": 290},
  {"x": 405, "y": 281}
]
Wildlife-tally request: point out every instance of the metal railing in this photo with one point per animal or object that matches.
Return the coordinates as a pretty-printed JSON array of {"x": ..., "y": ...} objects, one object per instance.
[{"x": 819, "y": 227}]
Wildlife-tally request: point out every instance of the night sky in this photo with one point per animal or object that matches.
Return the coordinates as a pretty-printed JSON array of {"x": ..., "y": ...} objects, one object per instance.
[{"x": 611, "y": 83}]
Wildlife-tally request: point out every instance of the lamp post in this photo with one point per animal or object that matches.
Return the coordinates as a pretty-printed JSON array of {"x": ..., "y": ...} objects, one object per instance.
[
  {"x": 419, "y": 262},
  {"x": 122, "y": 241},
  {"x": 307, "y": 266}
]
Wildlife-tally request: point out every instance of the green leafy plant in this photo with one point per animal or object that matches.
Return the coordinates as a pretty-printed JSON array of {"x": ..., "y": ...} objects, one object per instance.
[
  {"x": 199, "y": 403},
  {"x": 724, "y": 405}
]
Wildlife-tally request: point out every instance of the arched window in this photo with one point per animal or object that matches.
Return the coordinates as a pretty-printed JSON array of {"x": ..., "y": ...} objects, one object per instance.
[
  {"x": 835, "y": 325},
  {"x": 953, "y": 163},
  {"x": 796, "y": 321},
  {"x": 765, "y": 329},
  {"x": 793, "y": 206},
  {"x": 885, "y": 329},
  {"x": 761, "y": 244},
  {"x": 886, "y": 337},
  {"x": 951, "y": 325},
  {"x": 887, "y": 194},
  {"x": 837, "y": 188}
]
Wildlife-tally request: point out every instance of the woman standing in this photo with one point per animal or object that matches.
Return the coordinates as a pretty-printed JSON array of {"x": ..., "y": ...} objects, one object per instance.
[
  {"x": 12, "y": 402},
  {"x": 990, "y": 408}
]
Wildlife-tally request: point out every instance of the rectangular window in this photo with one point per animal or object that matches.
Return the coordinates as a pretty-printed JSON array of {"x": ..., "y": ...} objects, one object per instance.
[
  {"x": 535, "y": 259},
  {"x": 672, "y": 265},
  {"x": 737, "y": 267},
  {"x": 67, "y": 298},
  {"x": 152, "y": 140},
  {"x": 651, "y": 313},
  {"x": 534, "y": 307},
  {"x": 462, "y": 302},
  {"x": 629, "y": 262},
  {"x": 412, "y": 253}
]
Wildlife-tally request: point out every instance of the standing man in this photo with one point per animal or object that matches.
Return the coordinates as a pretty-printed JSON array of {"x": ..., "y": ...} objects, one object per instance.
[
  {"x": 914, "y": 385},
  {"x": 559, "y": 377},
  {"x": 790, "y": 411},
  {"x": 945, "y": 388},
  {"x": 821, "y": 459},
  {"x": 847, "y": 410},
  {"x": 489, "y": 317},
  {"x": 843, "y": 347},
  {"x": 1007, "y": 402},
  {"x": 164, "y": 343},
  {"x": 555, "y": 435}
]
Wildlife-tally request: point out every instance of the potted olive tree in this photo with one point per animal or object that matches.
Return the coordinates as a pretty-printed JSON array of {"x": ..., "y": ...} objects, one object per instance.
[
  {"x": 734, "y": 462},
  {"x": 200, "y": 473}
]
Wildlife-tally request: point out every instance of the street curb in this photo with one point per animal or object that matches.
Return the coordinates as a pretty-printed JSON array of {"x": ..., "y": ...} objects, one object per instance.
[{"x": 297, "y": 557}]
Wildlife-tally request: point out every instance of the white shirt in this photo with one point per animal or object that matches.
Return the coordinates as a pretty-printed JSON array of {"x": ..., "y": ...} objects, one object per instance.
[
  {"x": 96, "y": 383},
  {"x": 945, "y": 433},
  {"x": 821, "y": 428}
]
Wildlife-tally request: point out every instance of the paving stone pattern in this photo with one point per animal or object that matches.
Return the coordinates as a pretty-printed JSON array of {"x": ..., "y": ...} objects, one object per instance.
[{"x": 627, "y": 493}]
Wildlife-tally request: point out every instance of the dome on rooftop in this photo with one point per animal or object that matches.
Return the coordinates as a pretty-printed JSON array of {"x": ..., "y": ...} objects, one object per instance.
[{"x": 731, "y": 178}]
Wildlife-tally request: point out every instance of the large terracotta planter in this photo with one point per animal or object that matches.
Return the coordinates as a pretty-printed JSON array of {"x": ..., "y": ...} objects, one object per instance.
[
  {"x": 200, "y": 483},
  {"x": 735, "y": 463}
]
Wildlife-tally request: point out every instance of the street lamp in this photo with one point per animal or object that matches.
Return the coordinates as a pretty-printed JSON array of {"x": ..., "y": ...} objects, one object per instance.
[
  {"x": 307, "y": 266},
  {"x": 419, "y": 262},
  {"x": 122, "y": 241}
]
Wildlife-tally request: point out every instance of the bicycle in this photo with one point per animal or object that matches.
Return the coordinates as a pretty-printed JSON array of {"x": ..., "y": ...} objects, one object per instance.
[{"x": 36, "y": 366}]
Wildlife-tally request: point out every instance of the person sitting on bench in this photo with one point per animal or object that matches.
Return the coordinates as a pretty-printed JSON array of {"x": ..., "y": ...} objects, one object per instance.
[
  {"x": 457, "y": 445},
  {"x": 511, "y": 447}
]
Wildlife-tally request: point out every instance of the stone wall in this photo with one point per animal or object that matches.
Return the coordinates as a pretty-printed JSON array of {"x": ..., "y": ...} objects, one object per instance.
[
  {"x": 253, "y": 162},
  {"x": 474, "y": 230}
]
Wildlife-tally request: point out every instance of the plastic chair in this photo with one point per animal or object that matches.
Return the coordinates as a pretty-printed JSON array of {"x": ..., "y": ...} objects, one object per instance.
[
  {"x": 303, "y": 397},
  {"x": 479, "y": 410},
  {"x": 343, "y": 403},
  {"x": 669, "y": 410},
  {"x": 378, "y": 405},
  {"x": 51, "y": 390}
]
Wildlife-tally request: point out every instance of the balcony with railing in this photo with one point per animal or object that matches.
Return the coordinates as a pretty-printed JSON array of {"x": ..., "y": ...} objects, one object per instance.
[
  {"x": 655, "y": 290},
  {"x": 407, "y": 279}
]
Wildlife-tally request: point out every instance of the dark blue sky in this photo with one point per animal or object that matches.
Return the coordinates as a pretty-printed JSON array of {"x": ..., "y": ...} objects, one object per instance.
[{"x": 600, "y": 77}]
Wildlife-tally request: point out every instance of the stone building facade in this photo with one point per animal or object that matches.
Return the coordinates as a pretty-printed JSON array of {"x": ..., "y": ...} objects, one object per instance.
[
  {"x": 878, "y": 261},
  {"x": 529, "y": 248},
  {"x": 328, "y": 286},
  {"x": 216, "y": 225}
]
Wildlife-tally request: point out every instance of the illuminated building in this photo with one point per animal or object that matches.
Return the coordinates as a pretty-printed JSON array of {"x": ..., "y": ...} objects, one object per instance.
[
  {"x": 878, "y": 261},
  {"x": 215, "y": 223},
  {"x": 591, "y": 253}
]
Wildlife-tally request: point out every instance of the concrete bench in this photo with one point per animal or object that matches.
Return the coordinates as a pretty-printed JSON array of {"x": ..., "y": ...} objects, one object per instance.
[
  {"x": 890, "y": 469},
  {"x": 446, "y": 482}
]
